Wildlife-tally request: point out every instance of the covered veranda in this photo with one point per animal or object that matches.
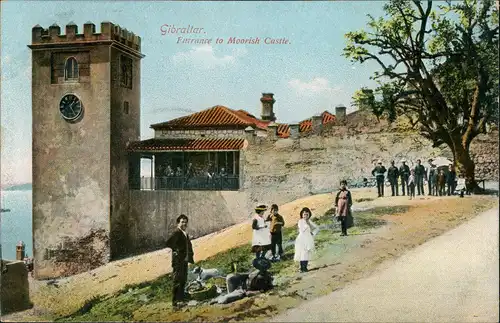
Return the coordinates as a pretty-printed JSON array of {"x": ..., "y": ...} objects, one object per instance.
[{"x": 188, "y": 164}]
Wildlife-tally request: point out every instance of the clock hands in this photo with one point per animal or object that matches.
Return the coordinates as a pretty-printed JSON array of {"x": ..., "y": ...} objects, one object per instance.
[{"x": 71, "y": 107}]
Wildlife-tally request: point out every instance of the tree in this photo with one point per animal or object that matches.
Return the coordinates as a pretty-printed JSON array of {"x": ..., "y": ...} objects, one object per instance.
[{"x": 439, "y": 68}]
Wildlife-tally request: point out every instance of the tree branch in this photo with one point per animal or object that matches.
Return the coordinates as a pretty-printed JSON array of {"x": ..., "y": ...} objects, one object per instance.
[{"x": 408, "y": 27}]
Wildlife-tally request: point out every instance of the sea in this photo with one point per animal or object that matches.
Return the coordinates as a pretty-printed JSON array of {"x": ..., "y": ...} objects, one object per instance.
[{"x": 16, "y": 225}]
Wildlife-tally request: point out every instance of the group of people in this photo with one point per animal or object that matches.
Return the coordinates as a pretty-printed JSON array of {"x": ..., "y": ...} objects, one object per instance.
[
  {"x": 437, "y": 180},
  {"x": 268, "y": 230},
  {"x": 184, "y": 177},
  {"x": 267, "y": 234}
]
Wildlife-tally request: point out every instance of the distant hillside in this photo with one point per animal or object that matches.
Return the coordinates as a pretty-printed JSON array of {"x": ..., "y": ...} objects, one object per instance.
[{"x": 19, "y": 187}]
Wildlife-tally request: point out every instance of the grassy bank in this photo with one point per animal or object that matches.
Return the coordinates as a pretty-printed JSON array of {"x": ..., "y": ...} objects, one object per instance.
[{"x": 153, "y": 295}]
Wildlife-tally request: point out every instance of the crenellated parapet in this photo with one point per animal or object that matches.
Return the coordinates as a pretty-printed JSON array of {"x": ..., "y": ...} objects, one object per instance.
[{"x": 109, "y": 31}]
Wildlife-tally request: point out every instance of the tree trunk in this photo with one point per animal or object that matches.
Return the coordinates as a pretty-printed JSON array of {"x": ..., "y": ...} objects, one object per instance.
[{"x": 466, "y": 167}]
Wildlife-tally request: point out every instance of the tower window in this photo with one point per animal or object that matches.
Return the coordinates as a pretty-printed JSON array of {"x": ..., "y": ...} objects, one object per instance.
[
  {"x": 71, "y": 69},
  {"x": 125, "y": 107},
  {"x": 126, "y": 72}
]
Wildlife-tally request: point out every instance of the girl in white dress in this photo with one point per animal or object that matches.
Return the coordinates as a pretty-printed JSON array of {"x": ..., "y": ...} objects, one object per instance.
[{"x": 304, "y": 243}]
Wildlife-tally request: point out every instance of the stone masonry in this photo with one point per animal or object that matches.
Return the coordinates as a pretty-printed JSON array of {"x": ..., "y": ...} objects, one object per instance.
[
  {"x": 80, "y": 182},
  {"x": 282, "y": 170}
]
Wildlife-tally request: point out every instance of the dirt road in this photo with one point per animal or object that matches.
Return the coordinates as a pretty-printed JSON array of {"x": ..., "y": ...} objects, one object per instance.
[{"x": 452, "y": 278}]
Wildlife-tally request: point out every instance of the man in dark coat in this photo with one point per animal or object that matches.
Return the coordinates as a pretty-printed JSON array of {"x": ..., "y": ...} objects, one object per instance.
[
  {"x": 451, "y": 178},
  {"x": 441, "y": 183},
  {"x": 182, "y": 254},
  {"x": 420, "y": 174},
  {"x": 431, "y": 179},
  {"x": 392, "y": 176},
  {"x": 404, "y": 172},
  {"x": 188, "y": 174},
  {"x": 379, "y": 173}
]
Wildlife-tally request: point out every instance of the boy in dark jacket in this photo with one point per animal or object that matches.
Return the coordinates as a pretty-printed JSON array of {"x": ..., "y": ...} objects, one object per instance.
[{"x": 277, "y": 223}]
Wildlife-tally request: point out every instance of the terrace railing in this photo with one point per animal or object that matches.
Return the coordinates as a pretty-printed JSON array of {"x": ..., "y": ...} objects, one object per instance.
[{"x": 199, "y": 183}]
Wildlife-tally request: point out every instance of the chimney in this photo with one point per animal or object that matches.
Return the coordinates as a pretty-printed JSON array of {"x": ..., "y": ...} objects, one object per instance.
[
  {"x": 272, "y": 131},
  {"x": 317, "y": 123},
  {"x": 294, "y": 130},
  {"x": 267, "y": 107},
  {"x": 250, "y": 134},
  {"x": 340, "y": 113}
]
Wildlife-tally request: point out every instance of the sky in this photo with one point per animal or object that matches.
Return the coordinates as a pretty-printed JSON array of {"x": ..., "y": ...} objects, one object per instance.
[{"x": 307, "y": 76}]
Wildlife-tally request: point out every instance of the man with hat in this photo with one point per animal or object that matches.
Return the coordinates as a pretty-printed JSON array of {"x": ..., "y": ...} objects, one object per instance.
[
  {"x": 392, "y": 176},
  {"x": 431, "y": 178},
  {"x": 379, "y": 173},
  {"x": 404, "y": 172},
  {"x": 261, "y": 237}
]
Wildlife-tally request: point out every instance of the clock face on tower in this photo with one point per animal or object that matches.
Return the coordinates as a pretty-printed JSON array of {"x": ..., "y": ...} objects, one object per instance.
[{"x": 70, "y": 107}]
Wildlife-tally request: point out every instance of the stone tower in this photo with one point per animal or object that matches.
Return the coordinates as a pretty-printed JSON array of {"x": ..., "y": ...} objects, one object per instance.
[
  {"x": 86, "y": 108},
  {"x": 268, "y": 101}
]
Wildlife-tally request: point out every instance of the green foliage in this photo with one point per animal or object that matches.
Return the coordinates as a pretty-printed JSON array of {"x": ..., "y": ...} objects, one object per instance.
[{"x": 439, "y": 67}]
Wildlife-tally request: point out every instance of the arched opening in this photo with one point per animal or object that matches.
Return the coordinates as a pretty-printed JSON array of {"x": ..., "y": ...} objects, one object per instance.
[{"x": 71, "y": 69}]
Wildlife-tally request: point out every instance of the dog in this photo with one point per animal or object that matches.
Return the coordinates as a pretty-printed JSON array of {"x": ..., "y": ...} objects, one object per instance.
[{"x": 206, "y": 274}]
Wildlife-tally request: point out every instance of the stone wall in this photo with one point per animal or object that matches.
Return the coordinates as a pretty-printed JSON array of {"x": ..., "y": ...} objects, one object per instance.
[
  {"x": 71, "y": 169},
  {"x": 14, "y": 287},
  {"x": 282, "y": 170},
  {"x": 484, "y": 152},
  {"x": 124, "y": 127},
  {"x": 197, "y": 134},
  {"x": 153, "y": 215},
  {"x": 80, "y": 167}
]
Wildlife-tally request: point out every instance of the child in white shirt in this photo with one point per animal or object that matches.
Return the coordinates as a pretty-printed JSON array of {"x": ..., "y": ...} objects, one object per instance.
[{"x": 411, "y": 184}]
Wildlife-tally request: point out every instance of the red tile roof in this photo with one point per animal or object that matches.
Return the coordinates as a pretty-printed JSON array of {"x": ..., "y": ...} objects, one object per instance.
[
  {"x": 159, "y": 144},
  {"x": 215, "y": 117},
  {"x": 252, "y": 119},
  {"x": 283, "y": 130}
]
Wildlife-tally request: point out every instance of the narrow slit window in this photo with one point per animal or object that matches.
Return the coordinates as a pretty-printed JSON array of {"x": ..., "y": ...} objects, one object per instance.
[
  {"x": 125, "y": 107},
  {"x": 126, "y": 72}
]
